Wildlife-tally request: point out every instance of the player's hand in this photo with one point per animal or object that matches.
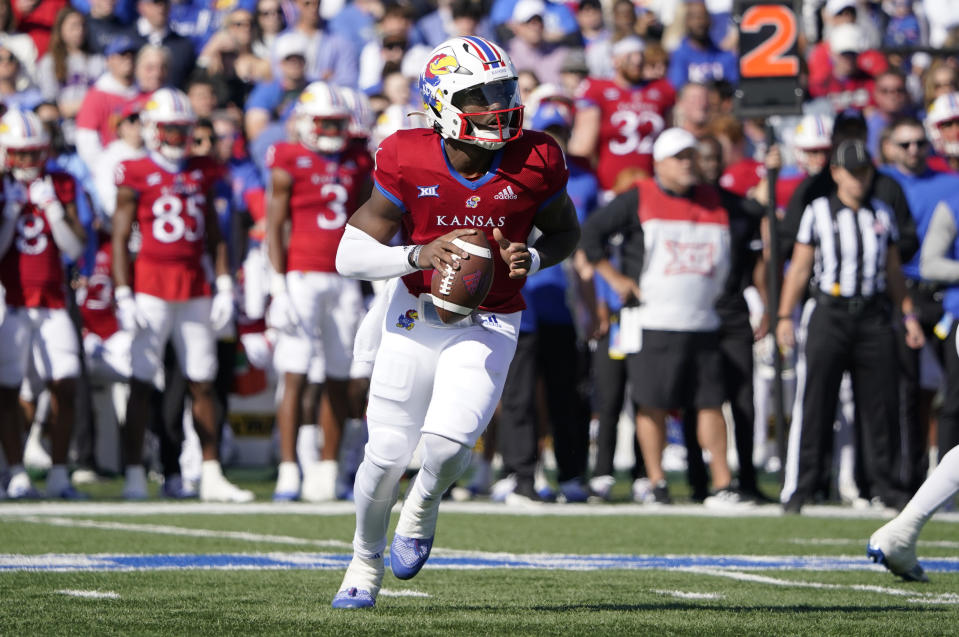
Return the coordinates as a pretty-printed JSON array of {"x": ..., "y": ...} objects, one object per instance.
[
  {"x": 440, "y": 253},
  {"x": 625, "y": 287},
  {"x": 128, "y": 316},
  {"x": 42, "y": 194},
  {"x": 785, "y": 333},
  {"x": 280, "y": 315},
  {"x": 516, "y": 255},
  {"x": 915, "y": 337},
  {"x": 222, "y": 310},
  {"x": 15, "y": 195}
]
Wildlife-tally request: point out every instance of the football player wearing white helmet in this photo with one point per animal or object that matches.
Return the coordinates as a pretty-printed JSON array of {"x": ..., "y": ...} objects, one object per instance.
[
  {"x": 39, "y": 226},
  {"x": 473, "y": 171},
  {"x": 314, "y": 185},
  {"x": 942, "y": 126},
  {"x": 812, "y": 142},
  {"x": 169, "y": 194}
]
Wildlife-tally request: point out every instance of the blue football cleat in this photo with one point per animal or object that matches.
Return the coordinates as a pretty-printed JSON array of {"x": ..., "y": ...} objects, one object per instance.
[
  {"x": 909, "y": 571},
  {"x": 286, "y": 496},
  {"x": 353, "y": 598},
  {"x": 408, "y": 555}
]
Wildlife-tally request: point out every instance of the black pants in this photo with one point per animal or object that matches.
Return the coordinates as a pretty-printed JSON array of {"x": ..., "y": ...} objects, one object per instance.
[
  {"x": 910, "y": 462},
  {"x": 949, "y": 414},
  {"x": 865, "y": 344},
  {"x": 549, "y": 353},
  {"x": 736, "y": 348},
  {"x": 609, "y": 394}
]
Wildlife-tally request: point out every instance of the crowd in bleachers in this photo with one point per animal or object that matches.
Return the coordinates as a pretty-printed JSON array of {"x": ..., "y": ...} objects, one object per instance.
[{"x": 90, "y": 70}]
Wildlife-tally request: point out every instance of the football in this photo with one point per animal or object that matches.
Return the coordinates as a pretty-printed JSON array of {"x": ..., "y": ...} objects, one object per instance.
[{"x": 456, "y": 293}]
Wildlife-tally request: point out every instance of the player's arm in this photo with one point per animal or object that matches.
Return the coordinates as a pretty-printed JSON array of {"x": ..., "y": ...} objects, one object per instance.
[
  {"x": 797, "y": 276},
  {"x": 585, "y": 133},
  {"x": 364, "y": 251},
  {"x": 277, "y": 213},
  {"x": 64, "y": 221},
  {"x": 123, "y": 217},
  {"x": 215, "y": 243}
]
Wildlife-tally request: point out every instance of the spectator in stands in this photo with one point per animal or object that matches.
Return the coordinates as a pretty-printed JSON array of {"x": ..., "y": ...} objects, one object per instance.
[
  {"x": 453, "y": 18},
  {"x": 229, "y": 58},
  {"x": 200, "y": 20},
  {"x": 95, "y": 125},
  {"x": 14, "y": 40},
  {"x": 16, "y": 89},
  {"x": 272, "y": 101},
  {"x": 357, "y": 21},
  {"x": 387, "y": 49},
  {"x": 69, "y": 68},
  {"x": 153, "y": 27},
  {"x": 692, "y": 111},
  {"x": 152, "y": 70},
  {"x": 202, "y": 95},
  {"x": 127, "y": 145},
  {"x": 892, "y": 102},
  {"x": 269, "y": 24},
  {"x": 839, "y": 76},
  {"x": 940, "y": 79},
  {"x": 36, "y": 18},
  {"x": 741, "y": 173},
  {"x": 698, "y": 59},
  {"x": 329, "y": 57},
  {"x": 599, "y": 54},
  {"x": 904, "y": 28},
  {"x": 528, "y": 48},
  {"x": 103, "y": 25}
]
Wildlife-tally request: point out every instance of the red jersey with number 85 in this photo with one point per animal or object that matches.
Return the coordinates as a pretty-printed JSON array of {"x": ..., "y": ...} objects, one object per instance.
[
  {"x": 324, "y": 193},
  {"x": 171, "y": 212},
  {"x": 413, "y": 172},
  {"x": 630, "y": 120},
  {"x": 32, "y": 270}
]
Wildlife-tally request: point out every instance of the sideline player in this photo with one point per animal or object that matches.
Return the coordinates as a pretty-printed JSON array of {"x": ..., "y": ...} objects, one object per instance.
[
  {"x": 433, "y": 380},
  {"x": 313, "y": 185},
  {"x": 39, "y": 225},
  {"x": 169, "y": 194}
]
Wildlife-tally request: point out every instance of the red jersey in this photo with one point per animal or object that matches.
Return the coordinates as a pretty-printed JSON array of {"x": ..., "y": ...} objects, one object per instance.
[
  {"x": 171, "y": 211},
  {"x": 96, "y": 298},
  {"x": 412, "y": 171},
  {"x": 325, "y": 192},
  {"x": 32, "y": 270},
  {"x": 738, "y": 178},
  {"x": 630, "y": 120}
]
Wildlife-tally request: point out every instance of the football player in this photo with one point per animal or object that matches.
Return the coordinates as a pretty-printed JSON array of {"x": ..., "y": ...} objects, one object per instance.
[
  {"x": 315, "y": 184},
  {"x": 168, "y": 193},
  {"x": 39, "y": 227},
  {"x": 942, "y": 125},
  {"x": 473, "y": 171},
  {"x": 618, "y": 120}
]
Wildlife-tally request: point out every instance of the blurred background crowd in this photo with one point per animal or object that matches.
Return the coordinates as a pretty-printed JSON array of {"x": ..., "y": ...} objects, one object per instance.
[{"x": 605, "y": 78}]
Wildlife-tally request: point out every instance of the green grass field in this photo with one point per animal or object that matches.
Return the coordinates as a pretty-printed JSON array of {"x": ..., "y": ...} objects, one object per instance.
[{"x": 170, "y": 568}]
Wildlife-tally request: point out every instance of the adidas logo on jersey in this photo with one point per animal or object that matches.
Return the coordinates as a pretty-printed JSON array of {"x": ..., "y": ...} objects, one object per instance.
[{"x": 506, "y": 193}]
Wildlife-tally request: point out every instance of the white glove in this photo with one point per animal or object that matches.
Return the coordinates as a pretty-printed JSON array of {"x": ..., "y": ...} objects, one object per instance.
[
  {"x": 257, "y": 348},
  {"x": 281, "y": 315},
  {"x": 43, "y": 196},
  {"x": 3, "y": 303},
  {"x": 127, "y": 314},
  {"x": 221, "y": 312}
]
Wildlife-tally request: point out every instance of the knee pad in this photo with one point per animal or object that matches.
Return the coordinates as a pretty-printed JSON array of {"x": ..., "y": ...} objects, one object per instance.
[
  {"x": 444, "y": 458},
  {"x": 387, "y": 454}
]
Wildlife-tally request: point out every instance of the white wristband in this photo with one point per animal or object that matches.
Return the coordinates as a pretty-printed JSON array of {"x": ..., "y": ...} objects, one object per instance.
[
  {"x": 224, "y": 283},
  {"x": 122, "y": 292},
  {"x": 277, "y": 284},
  {"x": 535, "y": 261}
]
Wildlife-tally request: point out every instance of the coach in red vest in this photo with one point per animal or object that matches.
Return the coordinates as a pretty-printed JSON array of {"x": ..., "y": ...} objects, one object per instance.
[{"x": 676, "y": 264}]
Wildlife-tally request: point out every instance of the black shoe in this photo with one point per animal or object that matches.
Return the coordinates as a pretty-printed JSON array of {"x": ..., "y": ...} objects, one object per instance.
[
  {"x": 661, "y": 493},
  {"x": 793, "y": 506}
]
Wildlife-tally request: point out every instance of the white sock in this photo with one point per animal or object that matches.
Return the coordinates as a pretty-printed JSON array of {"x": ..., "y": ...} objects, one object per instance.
[
  {"x": 211, "y": 471},
  {"x": 288, "y": 477},
  {"x": 942, "y": 484},
  {"x": 443, "y": 462},
  {"x": 308, "y": 444}
]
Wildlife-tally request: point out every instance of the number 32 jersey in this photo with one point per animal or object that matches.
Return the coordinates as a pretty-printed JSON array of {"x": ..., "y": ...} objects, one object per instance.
[
  {"x": 171, "y": 214},
  {"x": 630, "y": 120},
  {"x": 325, "y": 190}
]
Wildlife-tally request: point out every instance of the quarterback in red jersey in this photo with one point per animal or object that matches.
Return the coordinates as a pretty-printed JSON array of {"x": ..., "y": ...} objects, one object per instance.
[
  {"x": 618, "y": 120},
  {"x": 39, "y": 227},
  {"x": 314, "y": 185},
  {"x": 476, "y": 170},
  {"x": 169, "y": 194}
]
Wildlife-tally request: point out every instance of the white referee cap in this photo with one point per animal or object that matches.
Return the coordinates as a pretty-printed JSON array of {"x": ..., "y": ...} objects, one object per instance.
[{"x": 671, "y": 142}]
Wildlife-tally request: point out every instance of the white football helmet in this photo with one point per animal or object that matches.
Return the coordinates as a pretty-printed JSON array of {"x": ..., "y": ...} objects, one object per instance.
[
  {"x": 168, "y": 121},
  {"x": 944, "y": 109},
  {"x": 24, "y": 144},
  {"x": 814, "y": 132},
  {"x": 322, "y": 118},
  {"x": 472, "y": 72},
  {"x": 361, "y": 113}
]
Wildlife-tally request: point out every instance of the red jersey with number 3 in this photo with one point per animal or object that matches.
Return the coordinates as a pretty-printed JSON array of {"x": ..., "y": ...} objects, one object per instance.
[
  {"x": 32, "y": 270},
  {"x": 528, "y": 173},
  {"x": 630, "y": 120},
  {"x": 96, "y": 297},
  {"x": 324, "y": 193},
  {"x": 171, "y": 212}
]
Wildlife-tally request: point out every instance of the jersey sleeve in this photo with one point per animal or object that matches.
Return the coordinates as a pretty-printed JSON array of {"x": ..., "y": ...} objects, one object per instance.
[
  {"x": 587, "y": 94},
  {"x": 65, "y": 187},
  {"x": 807, "y": 231},
  {"x": 386, "y": 171},
  {"x": 124, "y": 175},
  {"x": 276, "y": 158}
]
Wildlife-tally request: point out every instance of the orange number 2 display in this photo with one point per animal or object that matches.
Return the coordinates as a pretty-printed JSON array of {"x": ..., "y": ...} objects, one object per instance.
[{"x": 772, "y": 57}]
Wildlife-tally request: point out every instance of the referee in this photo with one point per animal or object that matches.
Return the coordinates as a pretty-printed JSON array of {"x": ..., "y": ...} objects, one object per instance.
[{"x": 846, "y": 241}]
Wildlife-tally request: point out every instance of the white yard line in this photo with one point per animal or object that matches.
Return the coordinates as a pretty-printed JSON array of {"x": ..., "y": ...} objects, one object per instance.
[
  {"x": 689, "y": 595},
  {"x": 839, "y": 541},
  {"x": 161, "y": 529},
  {"x": 89, "y": 594},
  {"x": 911, "y": 595},
  {"x": 386, "y": 592},
  {"x": 10, "y": 509}
]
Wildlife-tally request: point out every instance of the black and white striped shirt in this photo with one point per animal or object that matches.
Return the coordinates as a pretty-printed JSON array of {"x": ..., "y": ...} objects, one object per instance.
[{"x": 851, "y": 247}]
